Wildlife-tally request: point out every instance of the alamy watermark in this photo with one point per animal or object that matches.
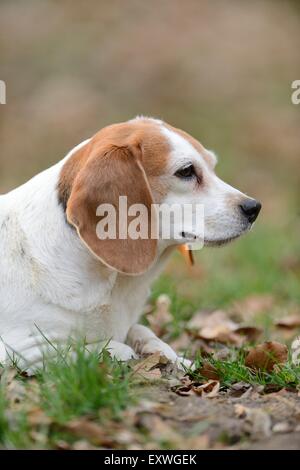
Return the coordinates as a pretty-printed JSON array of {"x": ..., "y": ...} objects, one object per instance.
[
  {"x": 2, "y": 92},
  {"x": 179, "y": 222},
  {"x": 295, "y": 97}
]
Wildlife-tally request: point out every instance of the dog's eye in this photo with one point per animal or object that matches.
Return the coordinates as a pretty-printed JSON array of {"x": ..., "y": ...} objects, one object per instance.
[{"x": 186, "y": 173}]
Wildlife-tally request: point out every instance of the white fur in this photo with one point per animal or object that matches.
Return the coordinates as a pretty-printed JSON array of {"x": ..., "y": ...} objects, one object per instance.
[
  {"x": 51, "y": 283},
  {"x": 223, "y": 219}
]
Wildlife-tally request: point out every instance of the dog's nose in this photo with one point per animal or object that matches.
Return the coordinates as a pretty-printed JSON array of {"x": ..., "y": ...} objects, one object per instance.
[{"x": 250, "y": 208}]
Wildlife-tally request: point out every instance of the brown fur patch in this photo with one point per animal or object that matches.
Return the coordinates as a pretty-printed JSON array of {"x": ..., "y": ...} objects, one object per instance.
[
  {"x": 143, "y": 132},
  {"x": 126, "y": 159}
]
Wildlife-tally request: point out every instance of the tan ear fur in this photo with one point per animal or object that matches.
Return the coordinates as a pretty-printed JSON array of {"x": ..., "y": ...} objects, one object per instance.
[{"x": 112, "y": 172}]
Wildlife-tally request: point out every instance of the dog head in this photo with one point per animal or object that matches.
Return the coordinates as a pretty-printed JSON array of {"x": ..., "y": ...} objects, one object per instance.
[{"x": 150, "y": 164}]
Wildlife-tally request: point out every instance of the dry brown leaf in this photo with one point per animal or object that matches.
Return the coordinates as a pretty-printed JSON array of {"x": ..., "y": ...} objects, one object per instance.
[
  {"x": 291, "y": 321},
  {"x": 271, "y": 388},
  {"x": 266, "y": 355},
  {"x": 252, "y": 333},
  {"x": 209, "y": 371},
  {"x": 252, "y": 305},
  {"x": 184, "y": 391},
  {"x": 209, "y": 389},
  {"x": 161, "y": 316},
  {"x": 211, "y": 319},
  {"x": 186, "y": 381},
  {"x": 216, "y": 326},
  {"x": 149, "y": 368},
  {"x": 240, "y": 389}
]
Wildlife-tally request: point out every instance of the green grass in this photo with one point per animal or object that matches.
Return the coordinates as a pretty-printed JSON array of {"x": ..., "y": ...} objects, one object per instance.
[
  {"x": 74, "y": 384},
  {"x": 84, "y": 384},
  {"x": 14, "y": 428},
  {"x": 233, "y": 370}
]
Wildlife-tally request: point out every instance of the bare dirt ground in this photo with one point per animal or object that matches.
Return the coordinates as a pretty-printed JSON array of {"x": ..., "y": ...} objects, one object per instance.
[{"x": 255, "y": 421}]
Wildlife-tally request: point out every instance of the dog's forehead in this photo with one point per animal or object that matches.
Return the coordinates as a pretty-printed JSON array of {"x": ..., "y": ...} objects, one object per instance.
[
  {"x": 185, "y": 146},
  {"x": 161, "y": 143}
]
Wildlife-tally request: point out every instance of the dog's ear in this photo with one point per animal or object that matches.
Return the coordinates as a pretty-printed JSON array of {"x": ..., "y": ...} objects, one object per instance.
[{"x": 112, "y": 172}]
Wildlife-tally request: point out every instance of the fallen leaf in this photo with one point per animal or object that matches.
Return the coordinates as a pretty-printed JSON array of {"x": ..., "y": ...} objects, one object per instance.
[
  {"x": 209, "y": 371},
  {"x": 186, "y": 381},
  {"x": 209, "y": 389},
  {"x": 216, "y": 326},
  {"x": 184, "y": 390},
  {"x": 291, "y": 321},
  {"x": 266, "y": 355},
  {"x": 252, "y": 305},
  {"x": 252, "y": 333},
  {"x": 211, "y": 319},
  {"x": 239, "y": 389},
  {"x": 149, "y": 368},
  {"x": 272, "y": 388}
]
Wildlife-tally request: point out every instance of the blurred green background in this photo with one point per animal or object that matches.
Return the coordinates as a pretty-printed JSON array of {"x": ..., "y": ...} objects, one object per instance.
[{"x": 221, "y": 70}]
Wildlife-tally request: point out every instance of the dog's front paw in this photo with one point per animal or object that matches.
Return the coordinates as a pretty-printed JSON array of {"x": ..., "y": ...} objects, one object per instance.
[{"x": 121, "y": 352}]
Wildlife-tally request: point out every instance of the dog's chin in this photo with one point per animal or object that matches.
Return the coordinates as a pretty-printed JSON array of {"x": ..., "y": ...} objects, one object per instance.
[
  {"x": 215, "y": 242},
  {"x": 220, "y": 241}
]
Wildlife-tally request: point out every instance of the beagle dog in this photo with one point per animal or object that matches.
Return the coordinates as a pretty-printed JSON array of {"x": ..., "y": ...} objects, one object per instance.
[{"x": 58, "y": 279}]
